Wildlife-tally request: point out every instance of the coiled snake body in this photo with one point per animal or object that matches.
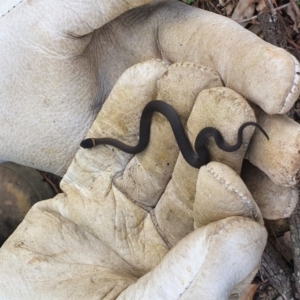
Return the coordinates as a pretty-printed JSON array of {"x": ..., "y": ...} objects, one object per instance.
[{"x": 196, "y": 158}]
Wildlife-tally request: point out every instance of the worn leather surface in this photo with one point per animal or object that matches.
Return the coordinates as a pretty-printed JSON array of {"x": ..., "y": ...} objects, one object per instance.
[
  {"x": 56, "y": 72},
  {"x": 59, "y": 62},
  {"x": 95, "y": 241}
]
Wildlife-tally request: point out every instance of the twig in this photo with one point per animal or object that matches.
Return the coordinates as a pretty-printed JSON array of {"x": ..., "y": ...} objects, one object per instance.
[
  {"x": 295, "y": 7},
  {"x": 49, "y": 181},
  {"x": 278, "y": 273},
  {"x": 224, "y": 4},
  {"x": 255, "y": 17},
  {"x": 295, "y": 239},
  {"x": 270, "y": 6},
  {"x": 216, "y": 8},
  {"x": 291, "y": 42}
]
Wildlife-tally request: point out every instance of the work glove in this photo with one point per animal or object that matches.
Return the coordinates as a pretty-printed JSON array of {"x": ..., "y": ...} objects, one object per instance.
[
  {"x": 60, "y": 60},
  {"x": 63, "y": 65},
  {"x": 145, "y": 226}
]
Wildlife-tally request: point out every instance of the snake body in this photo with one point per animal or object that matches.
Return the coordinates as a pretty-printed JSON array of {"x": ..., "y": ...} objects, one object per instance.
[{"x": 196, "y": 158}]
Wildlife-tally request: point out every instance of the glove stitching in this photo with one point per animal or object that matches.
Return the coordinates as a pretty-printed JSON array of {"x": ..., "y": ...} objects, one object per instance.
[
  {"x": 293, "y": 88},
  {"x": 193, "y": 66},
  {"x": 231, "y": 188},
  {"x": 288, "y": 209},
  {"x": 11, "y": 9}
]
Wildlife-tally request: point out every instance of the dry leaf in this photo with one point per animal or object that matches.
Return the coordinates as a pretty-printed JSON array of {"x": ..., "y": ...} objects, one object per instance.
[
  {"x": 246, "y": 8},
  {"x": 249, "y": 292}
]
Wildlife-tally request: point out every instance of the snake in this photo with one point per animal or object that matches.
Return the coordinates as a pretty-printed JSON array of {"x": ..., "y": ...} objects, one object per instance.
[{"x": 196, "y": 158}]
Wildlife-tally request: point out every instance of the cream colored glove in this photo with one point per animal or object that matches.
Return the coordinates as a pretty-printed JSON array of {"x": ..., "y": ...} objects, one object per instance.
[
  {"x": 113, "y": 229},
  {"x": 60, "y": 60},
  {"x": 147, "y": 226}
]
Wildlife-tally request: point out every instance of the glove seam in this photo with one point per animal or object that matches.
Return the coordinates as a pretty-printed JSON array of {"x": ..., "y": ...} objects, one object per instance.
[
  {"x": 159, "y": 230},
  {"x": 148, "y": 209},
  {"x": 289, "y": 98},
  {"x": 231, "y": 188},
  {"x": 13, "y": 7},
  {"x": 288, "y": 210},
  {"x": 193, "y": 65}
]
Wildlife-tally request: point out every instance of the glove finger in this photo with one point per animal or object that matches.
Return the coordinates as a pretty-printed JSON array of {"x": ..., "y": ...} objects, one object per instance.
[
  {"x": 220, "y": 108},
  {"x": 278, "y": 157},
  {"x": 264, "y": 74},
  {"x": 274, "y": 201},
  {"x": 221, "y": 193},
  {"x": 146, "y": 176},
  {"x": 196, "y": 269},
  {"x": 225, "y": 110}
]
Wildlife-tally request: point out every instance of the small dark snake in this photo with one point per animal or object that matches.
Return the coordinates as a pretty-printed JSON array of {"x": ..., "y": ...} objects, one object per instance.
[{"x": 196, "y": 160}]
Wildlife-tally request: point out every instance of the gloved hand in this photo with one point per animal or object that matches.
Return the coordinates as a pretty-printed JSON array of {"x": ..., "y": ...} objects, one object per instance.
[
  {"x": 63, "y": 70},
  {"x": 124, "y": 229},
  {"x": 60, "y": 60}
]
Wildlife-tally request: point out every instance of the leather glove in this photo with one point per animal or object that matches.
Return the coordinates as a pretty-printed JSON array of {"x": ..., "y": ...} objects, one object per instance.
[
  {"x": 63, "y": 68},
  {"x": 147, "y": 226},
  {"x": 60, "y": 60}
]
